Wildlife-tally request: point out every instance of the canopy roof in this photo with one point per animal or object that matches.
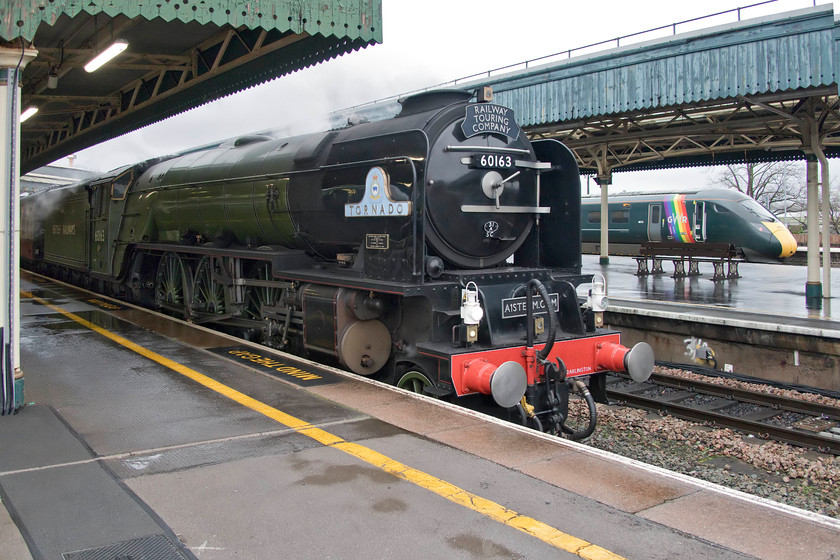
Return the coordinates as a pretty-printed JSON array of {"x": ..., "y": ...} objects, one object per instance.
[{"x": 181, "y": 54}]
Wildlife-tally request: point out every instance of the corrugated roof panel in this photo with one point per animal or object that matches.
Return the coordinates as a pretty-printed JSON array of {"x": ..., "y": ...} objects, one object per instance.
[
  {"x": 341, "y": 18},
  {"x": 797, "y": 50}
]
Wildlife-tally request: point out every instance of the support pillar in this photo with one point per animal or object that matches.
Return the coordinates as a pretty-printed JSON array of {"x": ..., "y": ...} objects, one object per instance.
[
  {"x": 604, "y": 180},
  {"x": 12, "y": 62},
  {"x": 825, "y": 222},
  {"x": 813, "y": 287}
]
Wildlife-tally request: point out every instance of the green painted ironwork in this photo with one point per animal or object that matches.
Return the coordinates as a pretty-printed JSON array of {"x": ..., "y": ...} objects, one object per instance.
[
  {"x": 795, "y": 50},
  {"x": 18, "y": 393},
  {"x": 353, "y": 19}
]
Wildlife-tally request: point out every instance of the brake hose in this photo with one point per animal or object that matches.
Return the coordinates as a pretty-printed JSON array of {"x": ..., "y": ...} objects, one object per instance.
[
  {"x": 577, "y": 435},
  {"x": 552, "y": 319}
]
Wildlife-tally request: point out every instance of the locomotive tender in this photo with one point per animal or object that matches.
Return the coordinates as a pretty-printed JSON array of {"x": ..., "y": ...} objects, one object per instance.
[
  {"x": 438, "y": 250},
  {"x": 699, "y": 216}
]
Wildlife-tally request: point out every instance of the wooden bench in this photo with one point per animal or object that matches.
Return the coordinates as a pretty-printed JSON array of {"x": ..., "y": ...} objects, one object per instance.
[{"x": 719, "y": 254}]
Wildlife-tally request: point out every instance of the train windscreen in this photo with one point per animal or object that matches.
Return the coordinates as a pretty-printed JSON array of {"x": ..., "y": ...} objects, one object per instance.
[{"x": 758, "y": 210}]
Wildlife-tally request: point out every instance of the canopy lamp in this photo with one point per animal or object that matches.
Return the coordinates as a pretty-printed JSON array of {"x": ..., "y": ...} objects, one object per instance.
[
  {"x": 28, "y": 113},
  {"x": 116, "y": 48}
]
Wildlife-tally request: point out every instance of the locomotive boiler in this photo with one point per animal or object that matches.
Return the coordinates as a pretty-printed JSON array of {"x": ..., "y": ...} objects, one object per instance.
[{"x": 438, "y": 250}]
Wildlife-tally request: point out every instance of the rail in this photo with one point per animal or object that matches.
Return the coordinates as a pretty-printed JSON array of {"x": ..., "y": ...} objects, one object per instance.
[{"x": 768, "y": 416}]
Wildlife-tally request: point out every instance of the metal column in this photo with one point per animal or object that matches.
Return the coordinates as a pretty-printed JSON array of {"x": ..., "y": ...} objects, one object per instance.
[
  {"x": 604, "y": 181},
  {"x": 12, "y": 63},
  {"x": 813, "y": 287},
  {"x": 825, "y": 223}
]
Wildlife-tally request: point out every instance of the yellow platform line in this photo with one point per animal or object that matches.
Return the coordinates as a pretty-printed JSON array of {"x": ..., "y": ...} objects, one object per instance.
[{"x": 488, "y": 508}]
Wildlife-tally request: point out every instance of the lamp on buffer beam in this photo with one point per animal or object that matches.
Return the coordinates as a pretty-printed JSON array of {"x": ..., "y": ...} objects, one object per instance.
[{"x": 116, "y": 48}]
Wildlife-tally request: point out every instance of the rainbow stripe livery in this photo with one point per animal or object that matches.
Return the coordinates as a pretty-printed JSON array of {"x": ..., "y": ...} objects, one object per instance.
[{"x": 677, "y": 218}]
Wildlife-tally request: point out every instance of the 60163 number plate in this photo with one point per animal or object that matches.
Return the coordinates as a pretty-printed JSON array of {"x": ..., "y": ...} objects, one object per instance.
[{"x": 492, "y": 161}]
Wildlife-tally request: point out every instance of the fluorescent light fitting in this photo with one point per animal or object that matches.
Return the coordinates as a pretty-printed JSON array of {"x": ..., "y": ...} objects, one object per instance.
[
  {"x": 116, "y": 48},
  {"x": 28, "y": 113}
]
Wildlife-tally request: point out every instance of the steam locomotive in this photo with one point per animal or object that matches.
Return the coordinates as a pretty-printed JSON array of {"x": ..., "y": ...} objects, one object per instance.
[{"x": 438, "y": 250}]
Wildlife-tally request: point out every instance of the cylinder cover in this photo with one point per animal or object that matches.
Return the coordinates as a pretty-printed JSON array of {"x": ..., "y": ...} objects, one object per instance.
[{"x": 365, "y": 346}]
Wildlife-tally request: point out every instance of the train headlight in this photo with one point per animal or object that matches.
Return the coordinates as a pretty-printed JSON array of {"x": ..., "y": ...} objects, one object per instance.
[
  {"x": 596, "y": 297},
  {"x": 598, "y": 294},
  {"x": 471, "y": 311}
]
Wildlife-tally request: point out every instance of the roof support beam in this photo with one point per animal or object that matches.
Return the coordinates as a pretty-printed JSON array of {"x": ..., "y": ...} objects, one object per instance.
[{"x": 87, "y": 117}]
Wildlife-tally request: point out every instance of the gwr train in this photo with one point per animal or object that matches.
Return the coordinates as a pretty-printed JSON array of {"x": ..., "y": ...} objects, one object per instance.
[
  {"x": 701, "y": 216},
  {"x": 438, "y": 250}
]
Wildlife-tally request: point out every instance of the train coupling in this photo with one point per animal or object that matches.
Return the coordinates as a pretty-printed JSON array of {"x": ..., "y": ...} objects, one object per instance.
[{"x": 637, "y": 361}]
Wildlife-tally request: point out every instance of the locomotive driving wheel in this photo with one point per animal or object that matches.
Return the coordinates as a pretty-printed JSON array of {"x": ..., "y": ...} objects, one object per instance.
[
  {"x": 414, "y": 381},
  {"x": 258, "y": 296},
  {"x": 208, "y": 293},
  {"x": 173, "y": 283}
]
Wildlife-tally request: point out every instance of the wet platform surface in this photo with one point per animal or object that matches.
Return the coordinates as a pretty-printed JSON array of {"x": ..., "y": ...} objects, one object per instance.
[
  {"x": 163, "y": 445},
  {"x": 766, "y": 293}
]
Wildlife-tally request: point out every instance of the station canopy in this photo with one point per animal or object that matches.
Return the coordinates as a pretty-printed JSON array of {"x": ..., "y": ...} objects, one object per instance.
[{"x": 180, "y": 54}]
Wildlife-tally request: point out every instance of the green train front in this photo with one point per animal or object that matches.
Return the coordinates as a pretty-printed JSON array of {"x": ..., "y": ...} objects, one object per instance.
[
  {"x": 439, "y": 250},
  {"x": 700, "y": 216}
]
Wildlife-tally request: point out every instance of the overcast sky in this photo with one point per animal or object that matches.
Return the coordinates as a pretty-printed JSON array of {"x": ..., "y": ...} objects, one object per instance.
[{"x": 427, "y": 43}]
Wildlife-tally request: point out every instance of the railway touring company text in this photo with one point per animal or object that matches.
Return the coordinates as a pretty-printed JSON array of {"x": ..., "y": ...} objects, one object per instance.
[{"x": 485, "y": 118}]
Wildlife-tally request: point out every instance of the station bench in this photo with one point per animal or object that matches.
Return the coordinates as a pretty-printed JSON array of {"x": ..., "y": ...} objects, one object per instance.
[{"x": 719, "y": 254}]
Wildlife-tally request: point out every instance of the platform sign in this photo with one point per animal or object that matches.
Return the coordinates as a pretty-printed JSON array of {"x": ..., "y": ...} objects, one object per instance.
[{"x": 486, "y": 118}]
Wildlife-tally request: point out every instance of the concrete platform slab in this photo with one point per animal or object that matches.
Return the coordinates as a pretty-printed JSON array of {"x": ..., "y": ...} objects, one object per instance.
[
  {"x": 746, "y": 527},
  {"x": 364, "y": 506},
  {"x": 14, "y": 546},
  {"x": 48, "y": 440},
  {"x": 499, "y": 444},
  {"x": 67, "y": 501},
  {"x": 607, "y": 481}
]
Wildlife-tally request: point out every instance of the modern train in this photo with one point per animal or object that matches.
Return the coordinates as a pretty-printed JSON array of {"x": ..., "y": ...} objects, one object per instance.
[
  {"x": 700, "y": 216},
  {"x": 438, "y": 250}
]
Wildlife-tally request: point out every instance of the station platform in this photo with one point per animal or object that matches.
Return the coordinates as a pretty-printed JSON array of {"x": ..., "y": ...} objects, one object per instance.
[
  {"x": 147, "y": 437},
  {"x": 767, "y": 295}
]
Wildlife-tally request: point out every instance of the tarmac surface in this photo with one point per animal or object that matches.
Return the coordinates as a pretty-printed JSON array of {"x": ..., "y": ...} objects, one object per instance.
[{"x": 145, "y": 437}]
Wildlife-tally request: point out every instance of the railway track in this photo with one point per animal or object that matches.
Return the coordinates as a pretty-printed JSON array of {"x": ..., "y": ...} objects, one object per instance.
[{"x": 812, "y": 425}]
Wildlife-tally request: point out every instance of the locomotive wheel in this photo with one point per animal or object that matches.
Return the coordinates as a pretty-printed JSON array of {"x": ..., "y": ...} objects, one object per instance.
[
  {"x": 173, "y": 283},
  {"x": 208, "y": 296},
  {"x": 257, "y": 296},
  {"x": 414, "y": 381}
]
